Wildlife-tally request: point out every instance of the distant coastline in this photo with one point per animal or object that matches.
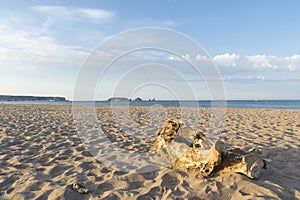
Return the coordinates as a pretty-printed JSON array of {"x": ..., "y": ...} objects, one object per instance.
[
  {"x": 124, "y": 99},
  {"x": 118, "y": 99},
  {"x": 30, "y": 98}
]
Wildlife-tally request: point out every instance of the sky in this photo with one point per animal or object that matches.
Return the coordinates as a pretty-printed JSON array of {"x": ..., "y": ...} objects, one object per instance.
[{"x": 254, "y": 45}]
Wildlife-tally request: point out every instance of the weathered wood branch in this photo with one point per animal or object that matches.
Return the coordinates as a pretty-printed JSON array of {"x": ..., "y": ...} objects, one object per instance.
[{"x": 192, "y": 151}]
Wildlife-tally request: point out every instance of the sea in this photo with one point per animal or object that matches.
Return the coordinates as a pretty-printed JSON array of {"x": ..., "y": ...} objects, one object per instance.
[{"x": 267, "y": 104}]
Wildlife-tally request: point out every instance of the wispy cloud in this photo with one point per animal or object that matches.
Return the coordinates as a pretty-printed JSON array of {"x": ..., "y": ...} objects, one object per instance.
[
  {"x": 30, "y": 43},
  {"x": 98, "y": 15},
  {"x": 170, "y": 22},
  {"x": 22, "y": 50}
]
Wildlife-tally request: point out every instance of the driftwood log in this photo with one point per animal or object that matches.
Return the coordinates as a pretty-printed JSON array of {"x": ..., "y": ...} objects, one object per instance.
[{"x": 192, "y": 151}]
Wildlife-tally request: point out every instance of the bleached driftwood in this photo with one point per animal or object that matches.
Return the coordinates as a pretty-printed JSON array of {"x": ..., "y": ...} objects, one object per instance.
[
  {"x": 166, "y": 134},
  {"x": 247, "y": 163},
  {"x": 194, "y": 152}
]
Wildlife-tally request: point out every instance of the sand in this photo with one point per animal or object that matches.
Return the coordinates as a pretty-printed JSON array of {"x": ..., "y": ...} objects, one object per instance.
[{"x": 42, "y": 154}]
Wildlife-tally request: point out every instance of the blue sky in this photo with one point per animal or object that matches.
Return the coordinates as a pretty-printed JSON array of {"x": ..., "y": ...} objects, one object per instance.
[{"x": 255, "y": 45}]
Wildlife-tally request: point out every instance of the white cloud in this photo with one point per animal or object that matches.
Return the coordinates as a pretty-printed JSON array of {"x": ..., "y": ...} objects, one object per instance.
[
  {"x": 260, "y": 77},
  {"x": 232, "y": 62},
  {"x": 257, "y": 62},
  {"x": 293, "y": 62},
  {"x": 98, "y": 15},
  {"x": 290, "y": 63},
  {"x": 176, "y": 58},
  {"x": 186, "y": 56},
  {"x": 226, "y": 59},
  {"x": 264, "y": 61},
  {"x": 201, "y": 57},
  {"x": 172, "y": 58}
]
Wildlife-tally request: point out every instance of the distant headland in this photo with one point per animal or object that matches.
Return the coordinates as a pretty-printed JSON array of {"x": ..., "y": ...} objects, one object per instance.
[
  {"x": 118, "y": 99},
  {"x": 30, "y": 98},
  {"x": 126, "y": 99}
]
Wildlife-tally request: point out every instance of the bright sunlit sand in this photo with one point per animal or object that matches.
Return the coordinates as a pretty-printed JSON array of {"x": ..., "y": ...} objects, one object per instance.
[{"x": 42, "y": 156}]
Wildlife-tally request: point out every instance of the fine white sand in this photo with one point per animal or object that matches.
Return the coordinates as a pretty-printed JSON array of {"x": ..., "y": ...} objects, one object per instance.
[{"x": 42, "y": 154}]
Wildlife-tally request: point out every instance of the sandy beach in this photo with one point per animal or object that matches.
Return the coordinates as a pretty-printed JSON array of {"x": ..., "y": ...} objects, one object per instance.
[{"x": 42, "y": 155}]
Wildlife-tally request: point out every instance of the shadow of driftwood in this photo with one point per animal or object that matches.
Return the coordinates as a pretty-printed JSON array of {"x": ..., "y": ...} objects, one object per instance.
[{"x": 282, "y": 177}]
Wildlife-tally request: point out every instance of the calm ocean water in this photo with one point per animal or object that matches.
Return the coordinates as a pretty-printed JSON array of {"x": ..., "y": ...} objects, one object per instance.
[{"x": 272, "y": 104}]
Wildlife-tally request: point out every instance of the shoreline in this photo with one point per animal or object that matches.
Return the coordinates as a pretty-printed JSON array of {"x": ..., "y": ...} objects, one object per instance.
[{"x": 199, "y": 107}]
